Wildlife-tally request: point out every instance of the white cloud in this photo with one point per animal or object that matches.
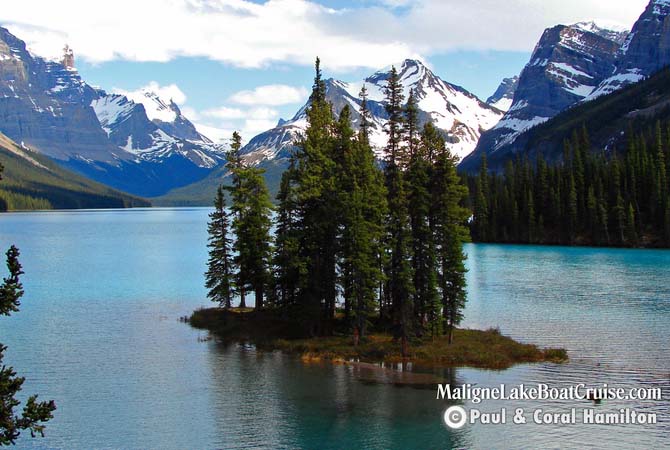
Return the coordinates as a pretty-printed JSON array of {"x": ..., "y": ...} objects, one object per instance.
[
  {"x": 220, "y": 122},
  {"x": 248, "y": 34},
  {"x": 190, "y": 113},
  {"x": 224, "y": 112},
  {"x": 271, "y": 94}
]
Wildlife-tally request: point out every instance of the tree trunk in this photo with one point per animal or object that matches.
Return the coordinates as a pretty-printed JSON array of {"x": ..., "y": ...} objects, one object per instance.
[
  {"x": 243, "y": 303},
  {"x": 259, "y": 297}
]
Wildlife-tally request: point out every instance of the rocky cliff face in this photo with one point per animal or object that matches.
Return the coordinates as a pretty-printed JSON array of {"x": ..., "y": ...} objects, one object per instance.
[
  {"x": 49, "y": 108},
  {"x": 45, "y": 106},
  {"x": 644, "y": 52},
  {"x": 567, "y": 65},
  {"x": 460, "y": 115},
  {"x": 503, "y": 97}
]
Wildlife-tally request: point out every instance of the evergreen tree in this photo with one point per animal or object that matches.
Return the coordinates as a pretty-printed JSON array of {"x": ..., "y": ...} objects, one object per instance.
[
  {"x": 399, "y": 273},
  {"x": 319, "y": 212},
  {"x": 235, "y": 166},
  {"x": 251, "y": 208},
  {"x": 219, "y": 276},
  {"x": 449, "y": 218},
  {"x": 394, "y": 127},
  {"x": 418, "y": 177},
  {"x": 363, "y": 208},
  {"x": 34, "y": 413},
  {"x": 366, "y": 117},
  {"x": 411, "y": 126},
  {"x": 481, "y": 208},
  {"x": 289, "y": 269}
]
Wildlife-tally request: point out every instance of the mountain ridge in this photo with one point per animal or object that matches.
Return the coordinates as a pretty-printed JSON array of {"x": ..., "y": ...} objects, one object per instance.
[{"x": 48, "y": 107}]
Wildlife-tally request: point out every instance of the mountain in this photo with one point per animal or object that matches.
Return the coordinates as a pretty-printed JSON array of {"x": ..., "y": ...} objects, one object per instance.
[
  {"x": 567, "y": 64},
  {"x": 609, "y": 120},
  {"x": 33, "y": 181},
  {"x": 503, "y": 97},
  {"x": 46, "y": 106},
  {"x": 460, "y": 115},
  {"x": 645, "y": 51}
]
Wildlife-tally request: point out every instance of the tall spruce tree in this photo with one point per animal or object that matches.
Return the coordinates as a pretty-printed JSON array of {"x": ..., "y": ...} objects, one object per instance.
[
  {"x": 254, "y": 234},
  {"x": 318, "y": 212},
  {"x": 235, "y": 166},
  {"x": 379, "y": 200},
  {"x": 219, "y": 276},
  {"x": 363, "y": 207},
  {"x": 399, "y": 275},
  {"x": 448, "y": 222},
  {"x": 288, "y": 267},
  {"x": 418, "y": 178},
  {"x": 252, "y": 211}
]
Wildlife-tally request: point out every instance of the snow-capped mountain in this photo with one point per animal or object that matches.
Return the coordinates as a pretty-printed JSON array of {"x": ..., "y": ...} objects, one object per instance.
[
  {"x": 503, "y": 97},
  {"x": 145, "y": 148},
  {"x": 567, "y": 65},
  {"x": 153, "y": 130},
  {"x": 461, "y": 116},
  {"x": 167, "y": 116},
  {"x": 645, "y": 51}
]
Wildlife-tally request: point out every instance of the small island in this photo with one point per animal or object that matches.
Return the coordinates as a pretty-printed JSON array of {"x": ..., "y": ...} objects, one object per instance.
[
  {"x": 357, "y": 262},
  {"x": 487, "y": 349}
]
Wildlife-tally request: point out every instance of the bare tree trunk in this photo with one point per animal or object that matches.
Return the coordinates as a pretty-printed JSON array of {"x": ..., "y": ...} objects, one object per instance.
[
  {"x": 243, "y": 303},
  {"x": 259, "y": 297}
]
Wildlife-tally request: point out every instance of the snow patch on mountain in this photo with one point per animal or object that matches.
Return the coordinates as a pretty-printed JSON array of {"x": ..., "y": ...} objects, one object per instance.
[
  {"x": 111, "y": 109},
  {"x": 154, "y": 107}
]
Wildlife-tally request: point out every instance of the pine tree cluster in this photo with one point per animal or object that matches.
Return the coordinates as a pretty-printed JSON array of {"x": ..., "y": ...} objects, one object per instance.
[
  {"x": 588, "y": 198},
  {"x": 354, "y": 243}
]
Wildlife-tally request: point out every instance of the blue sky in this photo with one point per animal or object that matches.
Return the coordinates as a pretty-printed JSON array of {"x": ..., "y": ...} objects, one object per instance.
[{"x": 242, "y": 64}]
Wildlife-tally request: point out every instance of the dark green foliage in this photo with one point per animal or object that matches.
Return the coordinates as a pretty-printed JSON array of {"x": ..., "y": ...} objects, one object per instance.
[
  {"x": 589, "y": 198},
  {"x": 418, "y": 177},
  {"x": 288, "y": 267},
  {"x": 399, "y": 270},
  {"x": 12, "y": 289},
  {"x": 363, "y": 207},
  {"x": 251, "y": 211},
  {"x": 318, "y": 213},
  {"x": 34, "y": 413},
  {"x": 394, "y": 127},
  {"x": 219, "y": 276},
  {"x": 448, "y": 223},
  {"x": 385, "y": 245},
  {"x": 33, "y": 181}
]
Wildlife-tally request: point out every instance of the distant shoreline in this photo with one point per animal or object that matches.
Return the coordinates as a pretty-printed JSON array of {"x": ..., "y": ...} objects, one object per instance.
[{"x": 486, "y": 349}]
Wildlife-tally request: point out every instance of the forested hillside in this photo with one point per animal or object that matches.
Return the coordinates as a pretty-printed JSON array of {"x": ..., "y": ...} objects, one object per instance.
[
  {"x": 33, "y": 181},
  {"x": 608, "y": 198}
]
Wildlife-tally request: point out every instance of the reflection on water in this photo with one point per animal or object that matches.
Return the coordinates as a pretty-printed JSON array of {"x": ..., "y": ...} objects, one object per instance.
[{"x": 98, "y": 332}]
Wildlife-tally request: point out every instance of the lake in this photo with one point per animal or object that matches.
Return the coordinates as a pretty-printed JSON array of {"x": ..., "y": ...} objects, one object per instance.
[{"x": 98, "y": 332}]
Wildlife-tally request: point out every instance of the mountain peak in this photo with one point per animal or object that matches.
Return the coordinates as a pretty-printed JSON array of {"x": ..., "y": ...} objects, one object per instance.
[
  {"x": 612, "y": 32},
  {"x": 503, "y": 97}
]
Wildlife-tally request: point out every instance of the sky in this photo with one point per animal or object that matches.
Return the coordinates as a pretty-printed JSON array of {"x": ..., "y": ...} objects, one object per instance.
[{"x": 242, "y": 64}]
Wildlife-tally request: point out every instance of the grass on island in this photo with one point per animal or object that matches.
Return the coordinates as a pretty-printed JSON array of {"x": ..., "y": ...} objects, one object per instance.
[{"x": 475, "y": 348}]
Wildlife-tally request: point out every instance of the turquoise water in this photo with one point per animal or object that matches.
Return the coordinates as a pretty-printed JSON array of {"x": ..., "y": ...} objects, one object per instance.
[{"x": 98, "y": 332}]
